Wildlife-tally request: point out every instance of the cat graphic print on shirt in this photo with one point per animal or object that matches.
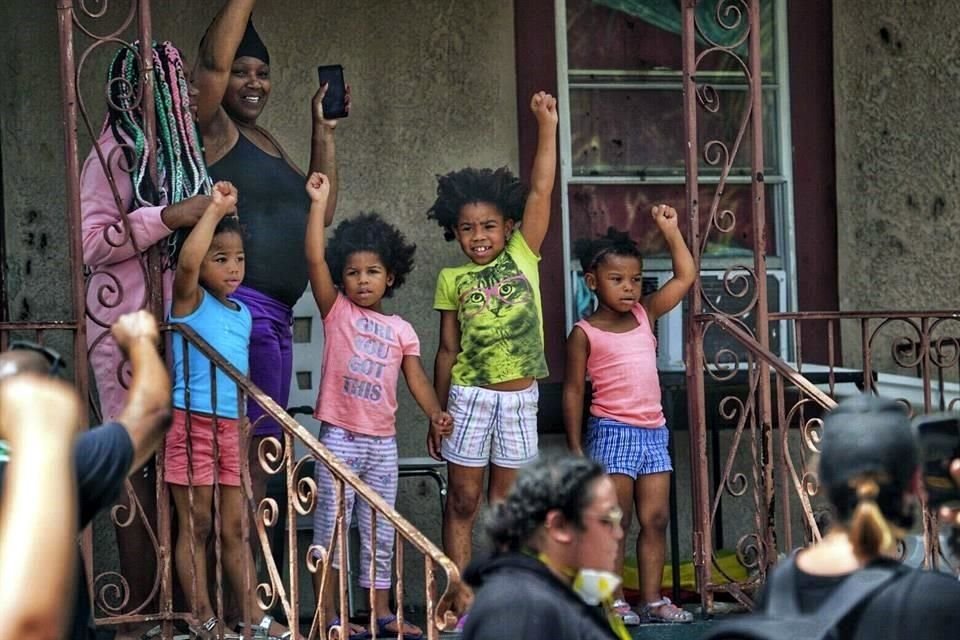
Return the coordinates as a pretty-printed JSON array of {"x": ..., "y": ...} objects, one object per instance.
[{"x": 499, "y": 311}]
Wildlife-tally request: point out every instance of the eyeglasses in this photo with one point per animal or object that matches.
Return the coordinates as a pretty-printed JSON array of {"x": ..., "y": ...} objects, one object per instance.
[
  {"x": 611, "y": 519},
  {"x": 52, "y": 356}
]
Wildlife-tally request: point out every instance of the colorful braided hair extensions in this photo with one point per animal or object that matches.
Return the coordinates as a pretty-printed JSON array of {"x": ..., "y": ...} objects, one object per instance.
[{"x": 181, "y": 169}]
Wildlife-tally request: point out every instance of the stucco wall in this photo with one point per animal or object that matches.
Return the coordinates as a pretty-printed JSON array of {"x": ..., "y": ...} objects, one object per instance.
[
  {"x": 433, "y": 90},
  {"x": 895, "y": 76}
]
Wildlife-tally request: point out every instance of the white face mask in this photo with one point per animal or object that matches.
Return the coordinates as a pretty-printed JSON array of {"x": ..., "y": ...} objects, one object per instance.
[{"x": 595, "y": 586}]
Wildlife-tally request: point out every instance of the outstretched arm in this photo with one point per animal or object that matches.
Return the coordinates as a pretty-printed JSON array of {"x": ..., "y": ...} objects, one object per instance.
[
  {"x": 684, "y": 270},
  {"x": 441, "y": 424},
  {"x": 323, "y": 149},
  {"x": 578, "y": 349},
  {"x": 321, "y": 281},
  {"x": 39, "y": 417},
  {"x": 146, "y": 414},
  {"x": 186, "y": 282},
  {"x": 536, "y": 212},
  {"x": 215, "y": 58}
]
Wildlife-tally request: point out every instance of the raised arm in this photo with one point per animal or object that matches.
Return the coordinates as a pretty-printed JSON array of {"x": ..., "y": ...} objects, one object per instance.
[
  {"x": 578, "y": 349},
  {"x": 39, "y": 417},
  {"x": 536, "y": 212},
  {"x": 146, "y": 414},
  {"x": 215, "y": 58},
  {"x": 441, "y": 424},
  {"x": 186, "y": 282},
  {"x": 684, "y": 270},
  {"x": 321, "y": 281},
  {"x": 323, "y": 149}
]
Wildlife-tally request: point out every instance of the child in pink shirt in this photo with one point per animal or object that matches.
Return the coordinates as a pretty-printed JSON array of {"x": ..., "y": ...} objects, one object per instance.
[
  {"x": 364, "y": 352},
  {"x": 626, "y": 432}
]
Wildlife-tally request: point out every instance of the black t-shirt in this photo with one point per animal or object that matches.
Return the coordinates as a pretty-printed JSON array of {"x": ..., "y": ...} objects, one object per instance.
[
  {"x": 918, "y": 605},
  {"x": 518, "y": 597},
  {"x": 102, "y": 458}
]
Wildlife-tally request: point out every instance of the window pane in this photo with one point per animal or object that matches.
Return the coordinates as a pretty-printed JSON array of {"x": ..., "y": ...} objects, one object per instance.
[
  {"x": 594, "y": 208},
  {"x": 622, "y": 132},
  {"x": 644, "y": 35}
]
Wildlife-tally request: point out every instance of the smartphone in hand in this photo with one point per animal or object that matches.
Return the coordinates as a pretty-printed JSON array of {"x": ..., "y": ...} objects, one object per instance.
[
  {"x": 335, "y": 100},
  {"x": 938, "y": 438}
]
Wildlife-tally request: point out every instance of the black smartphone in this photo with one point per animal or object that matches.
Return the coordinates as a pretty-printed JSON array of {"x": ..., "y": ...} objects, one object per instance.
[
  {"x": 335, "y": 100},
  {"x": 938, "y": 438}
]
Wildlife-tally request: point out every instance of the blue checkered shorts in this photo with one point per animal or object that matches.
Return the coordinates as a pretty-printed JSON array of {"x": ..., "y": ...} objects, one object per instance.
[{"x": 626, "y": 449}]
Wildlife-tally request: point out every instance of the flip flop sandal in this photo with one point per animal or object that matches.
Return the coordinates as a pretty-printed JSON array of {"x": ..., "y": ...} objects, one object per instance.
[
  {"x": 208, "y": 630},
  {"x": 262, "y": 630},
  {"x": 382, "y": 630},
  {"x": 353, "y": 635},
  {"x": 673, "y": 612}
]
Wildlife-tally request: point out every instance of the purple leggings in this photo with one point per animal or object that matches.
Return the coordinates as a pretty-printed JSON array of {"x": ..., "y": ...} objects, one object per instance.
[{"x": 271, "y": 354}]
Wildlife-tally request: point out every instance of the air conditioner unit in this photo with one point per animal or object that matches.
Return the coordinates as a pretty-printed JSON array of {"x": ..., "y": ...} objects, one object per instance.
[{"x": 669, "y": 329}]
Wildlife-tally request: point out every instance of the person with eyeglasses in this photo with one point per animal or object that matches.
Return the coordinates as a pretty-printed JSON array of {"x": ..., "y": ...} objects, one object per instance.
[
  {"x": 551, "y": 576},
  {"x": 103, "y": 456},
  {"x": 39, "y": 418}
]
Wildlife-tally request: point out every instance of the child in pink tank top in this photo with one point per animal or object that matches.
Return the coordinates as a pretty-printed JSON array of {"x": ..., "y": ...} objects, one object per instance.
[{"x": 626, "y": 431}]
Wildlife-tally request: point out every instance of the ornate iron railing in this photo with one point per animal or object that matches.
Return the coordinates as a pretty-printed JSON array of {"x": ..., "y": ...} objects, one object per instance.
[
  {"x": 768, "y": 410},
  {"x": 281, "y": 591},
  {"x": 911, "y": 356}
]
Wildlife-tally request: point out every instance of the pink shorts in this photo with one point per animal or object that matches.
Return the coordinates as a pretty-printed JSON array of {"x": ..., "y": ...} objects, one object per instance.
[{"x": 201, "y": 440}]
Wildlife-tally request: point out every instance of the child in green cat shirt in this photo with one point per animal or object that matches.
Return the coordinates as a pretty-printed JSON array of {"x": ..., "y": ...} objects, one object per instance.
[{"x": 491, "y": 328}]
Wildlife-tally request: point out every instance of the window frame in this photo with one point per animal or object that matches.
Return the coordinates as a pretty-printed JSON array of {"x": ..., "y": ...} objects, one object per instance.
[{"x": 784, "y": 214}]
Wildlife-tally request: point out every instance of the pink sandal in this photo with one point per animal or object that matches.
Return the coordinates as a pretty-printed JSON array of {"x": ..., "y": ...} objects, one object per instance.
[{"x": 664, "y": 610}]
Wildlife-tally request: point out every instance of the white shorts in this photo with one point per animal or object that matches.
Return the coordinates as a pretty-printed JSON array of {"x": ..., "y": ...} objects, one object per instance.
[{"x": 492, "y": 426}]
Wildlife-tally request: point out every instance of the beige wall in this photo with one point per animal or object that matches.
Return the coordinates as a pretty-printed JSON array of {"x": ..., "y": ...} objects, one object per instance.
[
  {"x": 433, "y": 90},
  {"x": 898, "y": 196}
]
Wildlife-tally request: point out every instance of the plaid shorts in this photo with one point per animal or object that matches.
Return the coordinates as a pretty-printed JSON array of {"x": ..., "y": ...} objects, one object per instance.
[
  {"x": 626, "y": 449},
  {"x": 492, "y": 426}
]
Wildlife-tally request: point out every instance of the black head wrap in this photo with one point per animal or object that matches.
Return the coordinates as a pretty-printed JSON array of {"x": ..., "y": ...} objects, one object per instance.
[{"x": 251, "y": 45}]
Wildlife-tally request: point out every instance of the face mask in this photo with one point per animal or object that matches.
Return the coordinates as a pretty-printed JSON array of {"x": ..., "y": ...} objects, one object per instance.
[{"x": 594, "y": 586}]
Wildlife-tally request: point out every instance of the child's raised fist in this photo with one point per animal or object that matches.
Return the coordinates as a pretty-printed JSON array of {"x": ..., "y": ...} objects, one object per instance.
[
  {"x": 224, "y": 198},
  {"x": 318, "y": 186},
  {"x": 665, "y": 216},
  {"x": 544, "y": 107},
  {"x": 131, "y": 326}
]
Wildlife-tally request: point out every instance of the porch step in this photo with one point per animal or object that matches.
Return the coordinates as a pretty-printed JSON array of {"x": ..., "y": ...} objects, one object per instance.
[{"x": 688, "y": 631}]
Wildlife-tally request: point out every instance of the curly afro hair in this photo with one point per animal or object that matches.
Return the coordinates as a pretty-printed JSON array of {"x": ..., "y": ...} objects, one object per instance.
[
  {"x": 562, "y": 482},
  {"x": 592, "y": 252},
  {"x": 498, "y": 187},
  {"x": 370, "y": 232}
]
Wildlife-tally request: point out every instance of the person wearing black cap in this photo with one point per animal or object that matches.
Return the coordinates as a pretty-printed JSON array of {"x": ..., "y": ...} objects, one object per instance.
[
  {"x": 869, "y": 468},
  {"x": 233, "y": 76}
]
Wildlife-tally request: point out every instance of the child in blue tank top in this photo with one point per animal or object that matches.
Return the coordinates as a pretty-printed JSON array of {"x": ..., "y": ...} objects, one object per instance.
[{"x": 210, "y": 268}]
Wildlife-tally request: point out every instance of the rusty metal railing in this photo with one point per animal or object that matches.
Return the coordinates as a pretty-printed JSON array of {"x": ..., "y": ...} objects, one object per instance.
[
  {"x": 910, "y": 356},
  {"x": 280, "y": 590}
]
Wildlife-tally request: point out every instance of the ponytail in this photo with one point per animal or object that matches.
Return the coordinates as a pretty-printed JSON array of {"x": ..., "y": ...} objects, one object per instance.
[{"x": 868, "y": 529}]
